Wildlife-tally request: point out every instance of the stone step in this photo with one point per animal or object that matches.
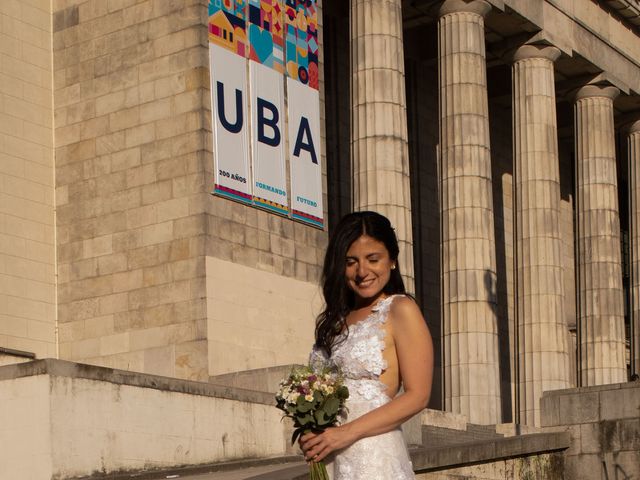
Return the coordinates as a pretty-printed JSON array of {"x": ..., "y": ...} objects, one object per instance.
[
  {"x": 260, "y": 379},
  {"x": 249, "y": 469},
  {"x": 431, "y": 459},
  {"x": 433, "y": 436}
]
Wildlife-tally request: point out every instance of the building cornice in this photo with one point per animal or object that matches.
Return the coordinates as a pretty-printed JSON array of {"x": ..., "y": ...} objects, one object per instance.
[{"x": 628, "y": 9}]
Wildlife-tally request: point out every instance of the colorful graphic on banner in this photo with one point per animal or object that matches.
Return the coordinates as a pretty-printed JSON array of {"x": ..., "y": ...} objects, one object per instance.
[
  {"x": 301, "y": 41},
  {"x": 304, "y": 153},
  {"x": 229, "y": 106},
  {"x": 267, "y": 153},
  {"x": 228, "y": 25},
  {"x": 266, "y": 33}
]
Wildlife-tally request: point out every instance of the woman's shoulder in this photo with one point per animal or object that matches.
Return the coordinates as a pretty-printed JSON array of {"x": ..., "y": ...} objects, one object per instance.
[
  {"x": 402, "y": 301},
  {"x": 403, "y": 307},
  {"x": 393, "y": 300}
]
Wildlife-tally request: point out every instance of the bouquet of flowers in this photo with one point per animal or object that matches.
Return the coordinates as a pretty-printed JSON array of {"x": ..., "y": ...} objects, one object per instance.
[{"x": 313, "y": 397}]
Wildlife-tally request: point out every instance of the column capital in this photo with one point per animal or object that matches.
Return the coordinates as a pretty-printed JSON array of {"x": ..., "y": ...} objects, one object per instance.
[
  {"x": 589, "y": 91},
  {"x": 481, "y": 7},
  {"x": 536, "y": 51},
  {"x": 632, "y": 127}
]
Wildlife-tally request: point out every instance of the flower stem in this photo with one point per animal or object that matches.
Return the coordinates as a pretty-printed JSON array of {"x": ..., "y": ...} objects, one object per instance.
[{"x": 318, "y": 471}]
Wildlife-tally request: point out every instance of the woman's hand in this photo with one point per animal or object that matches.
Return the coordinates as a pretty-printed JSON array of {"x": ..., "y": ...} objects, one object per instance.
[{"x": 316, "y": 446}]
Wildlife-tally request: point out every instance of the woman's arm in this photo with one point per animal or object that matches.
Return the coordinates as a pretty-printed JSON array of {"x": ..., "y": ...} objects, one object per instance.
[{"x": 414, "y": 350}]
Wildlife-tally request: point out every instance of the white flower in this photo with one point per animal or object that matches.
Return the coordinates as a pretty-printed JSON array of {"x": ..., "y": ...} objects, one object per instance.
[
  {"x": 308, "y": 397},
  {"x": 293, "y": 397}
]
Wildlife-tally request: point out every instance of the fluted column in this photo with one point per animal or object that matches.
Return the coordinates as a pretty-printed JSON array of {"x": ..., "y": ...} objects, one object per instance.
[
  {"x": 470, "y": 339},
  {"x": 543, "y": 343},
  {"x": 600, "y": 298},
  {"x": 379, "y": 141},
  {"x": 633, "y": 144}
]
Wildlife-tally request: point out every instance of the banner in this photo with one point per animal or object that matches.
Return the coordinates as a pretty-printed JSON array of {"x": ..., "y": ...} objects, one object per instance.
[
  {"x": 266, "y": 33},
  {"x": 304, "y": 153},
  {"x": 301, "y": 40},
  {"x": 229, "y": 106},
  {"x": 228, "y": 25},
  {"x": 267, "y": 153},
  {"x": 253, "y": 45}
]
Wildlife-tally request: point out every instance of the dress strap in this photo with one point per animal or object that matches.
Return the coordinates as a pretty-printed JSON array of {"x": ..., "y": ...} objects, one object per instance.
[{"x": 385, "y": 303}]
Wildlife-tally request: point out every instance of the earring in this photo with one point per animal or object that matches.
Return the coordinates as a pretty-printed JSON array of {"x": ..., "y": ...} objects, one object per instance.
[{"x": 393, "y": 267}]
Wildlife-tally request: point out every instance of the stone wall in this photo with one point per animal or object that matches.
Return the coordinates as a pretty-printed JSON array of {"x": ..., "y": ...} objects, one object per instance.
[
  {"x": 257, "y": 319},
  {"x": 546, "y": 466},
  {"x": 27, "y": 236},
  {"x": 9, "y": 356},
  {"x": 604, "y": 423},
  {"x": 134, "y": 166},
  {"x": 129, "y": 91}
]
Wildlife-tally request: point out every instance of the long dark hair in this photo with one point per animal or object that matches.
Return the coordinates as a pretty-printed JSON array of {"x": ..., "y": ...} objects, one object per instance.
[{"x": 339, "y": 298}]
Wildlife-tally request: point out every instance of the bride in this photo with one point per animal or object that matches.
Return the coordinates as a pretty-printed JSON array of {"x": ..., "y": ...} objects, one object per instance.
[{"x": 377, "y": 336}]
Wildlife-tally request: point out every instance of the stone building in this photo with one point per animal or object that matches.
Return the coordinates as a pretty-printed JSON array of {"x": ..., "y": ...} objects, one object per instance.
[{"x": 501, "y": 137}]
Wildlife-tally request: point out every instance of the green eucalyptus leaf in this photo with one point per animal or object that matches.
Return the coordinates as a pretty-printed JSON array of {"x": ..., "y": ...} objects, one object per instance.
[
  {"x": 321, "y": 418},
  {"x": 342, "y": 392},
  {"x": 332, "y": 405},
  {"x": 296, "y": 433},
  {"x": 306, "y": 419}
]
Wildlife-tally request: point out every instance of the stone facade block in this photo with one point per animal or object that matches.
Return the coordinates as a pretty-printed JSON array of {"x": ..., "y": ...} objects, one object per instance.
[
  {"x": 246, "y": 321},
  {"x": 27, "y": 241},
  {"x": 155, "y": 110},
  {"x": 620, "y": 404},
  {"x": 113, "y": 344},
  {"x": 586, "y": 467},
  {"x": 579, "y": 408}
]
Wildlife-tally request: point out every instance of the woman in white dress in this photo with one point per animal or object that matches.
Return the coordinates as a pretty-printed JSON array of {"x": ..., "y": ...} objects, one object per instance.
[{"x": 377, "y": 336}]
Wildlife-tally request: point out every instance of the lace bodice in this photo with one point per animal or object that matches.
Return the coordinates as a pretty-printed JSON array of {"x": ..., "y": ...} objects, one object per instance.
[{"x": 359, "y": 354}]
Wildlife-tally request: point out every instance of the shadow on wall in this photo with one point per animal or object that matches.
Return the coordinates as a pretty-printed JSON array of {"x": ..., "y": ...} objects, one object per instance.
[{"x": 502, "y": 175}]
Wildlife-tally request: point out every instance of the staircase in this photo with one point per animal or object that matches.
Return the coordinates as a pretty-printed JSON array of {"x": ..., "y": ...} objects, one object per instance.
[
  {"x": 434, "y": 436},
  {"x": 457, "y": 444}
]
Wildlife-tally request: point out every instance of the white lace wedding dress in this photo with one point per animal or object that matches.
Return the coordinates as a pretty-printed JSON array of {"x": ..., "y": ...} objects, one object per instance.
[{"x": 381, "y": 457}]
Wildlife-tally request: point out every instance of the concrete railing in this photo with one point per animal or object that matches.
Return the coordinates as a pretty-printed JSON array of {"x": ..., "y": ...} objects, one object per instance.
[
  {"x": 604, "y": 424},
  {"x": 64, "y": 420}
]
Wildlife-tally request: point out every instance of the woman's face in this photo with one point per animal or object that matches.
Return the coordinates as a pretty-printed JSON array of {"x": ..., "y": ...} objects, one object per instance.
[{"x": 368, "y": 267}]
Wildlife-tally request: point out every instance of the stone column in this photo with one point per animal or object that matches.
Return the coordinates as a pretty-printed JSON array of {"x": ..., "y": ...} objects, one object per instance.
[
  {"x": 600, "y": 298},
  {"x": 633, "y": 144},
  {"x": 470, "y": 341},
  {"x": 379, "y": 142},
  {"x": 543, "y": 343}
]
